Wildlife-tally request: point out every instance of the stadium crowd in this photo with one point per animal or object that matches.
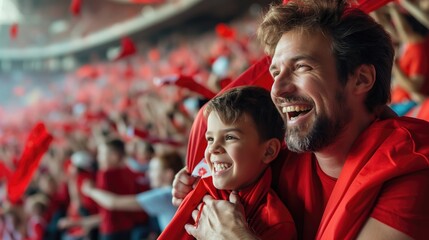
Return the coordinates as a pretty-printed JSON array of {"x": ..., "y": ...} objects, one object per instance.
[{"x": 121, "y": 128}]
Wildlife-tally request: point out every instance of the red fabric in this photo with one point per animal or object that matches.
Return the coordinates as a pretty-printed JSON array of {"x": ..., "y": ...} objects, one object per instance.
[
  {"x": 13, "y": 31},
  {"x": 386, "y": 161},
  {"x": 128, "y": 48},
  {"x": 187, "y": 82},
  {"x": 371, "y": 5},
  {"x": 225, "y": 31},
  {"x": 266, "y": 214},
  {"x": 365, "y": 5},
  {"x": 88, "y": 71},
  {"x": 36, "y": 228},
  {"x": 257, "y": 75},
  {"x": 37, "y": 144},
  {"x": 75, "y": 7},
  {"x": 413, "y": 62},
  {"x": 119, "y": 182}
]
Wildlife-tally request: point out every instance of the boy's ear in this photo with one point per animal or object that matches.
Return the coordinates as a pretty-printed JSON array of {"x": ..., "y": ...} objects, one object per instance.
[
  {"x": 272, "y": 149},
  {"x": 364, "y": 79}
]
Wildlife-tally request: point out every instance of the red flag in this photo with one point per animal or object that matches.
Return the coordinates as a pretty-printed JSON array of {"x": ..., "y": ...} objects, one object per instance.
[
  {"x": 225, "y": 31},
  {"x": 37, "y": 144},
  {"x": 187, "y": 82},
  {"x": 75, "y": 7},
  {"x": 128, "y": 48},
  {"x": 365, "y": 5},
  {"x": 13, "y": 31},
  {"x": 147, "y": 1}
]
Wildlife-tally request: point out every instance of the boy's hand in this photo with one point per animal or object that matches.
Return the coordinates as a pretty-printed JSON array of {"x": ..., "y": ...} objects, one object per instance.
[
  {"x": 182, "y": 185},
  {"x": 220, "y": 220}
]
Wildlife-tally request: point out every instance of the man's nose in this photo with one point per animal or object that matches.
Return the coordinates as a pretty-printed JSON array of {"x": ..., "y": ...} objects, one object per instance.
[{"x": 283, "y": 86}]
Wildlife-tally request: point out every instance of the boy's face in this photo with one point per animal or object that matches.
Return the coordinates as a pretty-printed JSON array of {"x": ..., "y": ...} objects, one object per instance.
[{"x": 234, "y": 152}]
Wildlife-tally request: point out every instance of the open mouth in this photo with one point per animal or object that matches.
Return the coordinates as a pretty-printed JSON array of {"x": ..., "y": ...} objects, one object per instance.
[
  {"x": 220, "y": 167},
  {"x": 296, "y": 111}
]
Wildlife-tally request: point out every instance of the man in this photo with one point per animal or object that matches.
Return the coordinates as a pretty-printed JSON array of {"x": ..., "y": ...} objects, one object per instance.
[{"x": 348, "y": 173}]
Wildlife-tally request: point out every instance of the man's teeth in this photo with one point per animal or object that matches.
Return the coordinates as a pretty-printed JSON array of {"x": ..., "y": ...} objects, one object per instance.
[
  {"x": 221, "y": 166},
  {"x": 289, "y": 109}
]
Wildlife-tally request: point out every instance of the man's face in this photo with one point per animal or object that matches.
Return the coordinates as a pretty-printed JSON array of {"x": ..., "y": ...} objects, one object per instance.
[{"x": 307, "y": 91}]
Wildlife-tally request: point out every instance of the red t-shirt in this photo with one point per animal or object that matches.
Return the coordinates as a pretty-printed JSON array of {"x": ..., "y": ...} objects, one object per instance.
[
  {"x": 119, "y": 181},
  {"x": 398, "y": 201},
  {"x": 414, "y": 62}
]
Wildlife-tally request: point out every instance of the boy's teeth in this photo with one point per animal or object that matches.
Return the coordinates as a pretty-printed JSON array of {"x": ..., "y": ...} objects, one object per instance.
[{"x": 221, "y": 166}]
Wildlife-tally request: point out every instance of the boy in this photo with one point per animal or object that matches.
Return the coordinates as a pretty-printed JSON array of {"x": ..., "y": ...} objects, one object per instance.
[{"x": 244, "y": 134}]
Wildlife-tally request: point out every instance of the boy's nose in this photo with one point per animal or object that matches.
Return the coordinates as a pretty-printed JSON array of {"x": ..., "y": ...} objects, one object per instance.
[{"x": 216, "y": 148}]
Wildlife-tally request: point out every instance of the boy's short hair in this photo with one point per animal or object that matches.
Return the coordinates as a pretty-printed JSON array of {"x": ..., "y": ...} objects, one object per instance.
[
  {"x": 256, "y": 102},
  {"x": 171, "y": 160},
  {"x": 117, "y": 146}
]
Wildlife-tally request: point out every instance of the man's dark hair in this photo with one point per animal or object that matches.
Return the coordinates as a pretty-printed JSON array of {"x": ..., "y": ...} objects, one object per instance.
[
  {"x": 356, "y": 39},
  {"x": 256, "y": 102}
]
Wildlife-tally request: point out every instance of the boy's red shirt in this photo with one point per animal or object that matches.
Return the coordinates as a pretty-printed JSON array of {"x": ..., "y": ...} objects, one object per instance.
[{"x": 266, "y": 215}]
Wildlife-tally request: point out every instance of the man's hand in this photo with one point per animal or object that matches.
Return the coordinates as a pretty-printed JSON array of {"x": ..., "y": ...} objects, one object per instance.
[
  {"x": 220, "y": 220},
  {"x": 182, "y": 185}
]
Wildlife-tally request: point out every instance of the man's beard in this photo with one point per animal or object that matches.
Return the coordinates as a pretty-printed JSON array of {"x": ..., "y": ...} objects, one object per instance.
[{"x": 323, "y": 132}]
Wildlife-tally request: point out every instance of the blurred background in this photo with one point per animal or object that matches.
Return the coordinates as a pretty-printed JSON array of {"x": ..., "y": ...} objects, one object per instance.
[{"x": 129, "y": 76}]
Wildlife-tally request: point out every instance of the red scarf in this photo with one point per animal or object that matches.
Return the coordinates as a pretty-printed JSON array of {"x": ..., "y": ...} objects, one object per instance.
[
  {"x": 392, "y": 148},
  {"x": 251, "y": 197}
]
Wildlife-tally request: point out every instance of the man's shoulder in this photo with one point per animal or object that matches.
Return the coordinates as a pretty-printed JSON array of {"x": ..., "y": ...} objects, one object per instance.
[{"x": 406, "y": 128}]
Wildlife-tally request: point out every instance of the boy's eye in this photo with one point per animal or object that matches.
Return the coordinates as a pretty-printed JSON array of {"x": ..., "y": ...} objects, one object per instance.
[
  {"x": 209, "y": 139},
  {"x": 229, "y": 137},
  {"x": 275, "y": 73}
]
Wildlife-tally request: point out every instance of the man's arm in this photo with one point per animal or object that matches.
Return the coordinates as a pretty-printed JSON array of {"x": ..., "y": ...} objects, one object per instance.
[
  {"x": 110, "y": 200},
  {"x": 374, "y": 229},
  {"x": 220, "y": 220}
]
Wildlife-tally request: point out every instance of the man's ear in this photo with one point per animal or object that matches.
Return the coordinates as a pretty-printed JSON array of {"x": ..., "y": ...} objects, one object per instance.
[
  {"x": 272, "y": 149},
  {"x": 363, "y": 79}
]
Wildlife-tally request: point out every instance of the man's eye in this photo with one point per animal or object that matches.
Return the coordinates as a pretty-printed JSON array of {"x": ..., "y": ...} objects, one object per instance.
[{"x": 302, "y": 67}]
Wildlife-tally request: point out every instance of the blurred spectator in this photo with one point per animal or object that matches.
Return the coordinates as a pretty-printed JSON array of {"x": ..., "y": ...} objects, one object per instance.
[{"x": 156, "y": 202}]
